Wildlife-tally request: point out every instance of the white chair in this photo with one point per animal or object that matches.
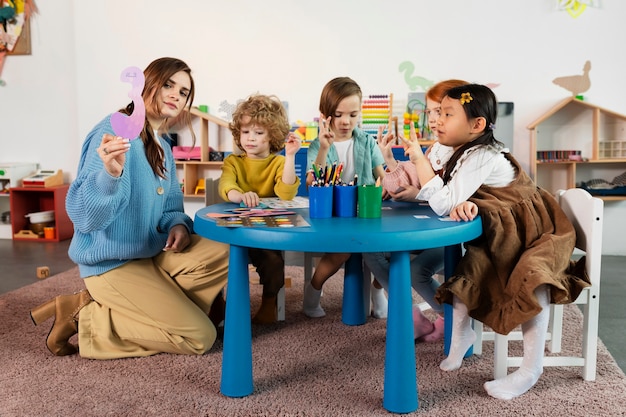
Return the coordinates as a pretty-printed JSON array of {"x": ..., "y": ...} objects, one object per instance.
[
  {"x": 586, "y": 214},
  {"x": 211, "y": 196}
]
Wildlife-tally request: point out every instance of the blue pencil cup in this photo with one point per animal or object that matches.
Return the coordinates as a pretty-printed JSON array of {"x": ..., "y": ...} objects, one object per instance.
[
  {"x": 344, "y": 200},
  {"x": 320, "y": 202}
]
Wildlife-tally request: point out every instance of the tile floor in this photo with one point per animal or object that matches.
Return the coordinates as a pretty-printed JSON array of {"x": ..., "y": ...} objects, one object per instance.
[{"x": 19, "y": 261}]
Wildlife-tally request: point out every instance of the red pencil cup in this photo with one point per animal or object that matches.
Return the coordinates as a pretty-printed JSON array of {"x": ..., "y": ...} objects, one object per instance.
[
  {"x": 344, "y": 200},
  {"x": 320, "y": 202}
]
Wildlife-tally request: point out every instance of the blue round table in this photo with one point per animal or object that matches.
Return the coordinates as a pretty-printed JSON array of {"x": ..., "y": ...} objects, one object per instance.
[{"x": 403, "y": 227}]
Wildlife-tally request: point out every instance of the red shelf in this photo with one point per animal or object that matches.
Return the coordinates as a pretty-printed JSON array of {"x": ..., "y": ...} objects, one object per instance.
[{"x": 25, "y": 200}]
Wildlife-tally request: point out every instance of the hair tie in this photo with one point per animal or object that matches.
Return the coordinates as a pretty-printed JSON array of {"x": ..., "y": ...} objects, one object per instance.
[{"x": 492, "y": 126}]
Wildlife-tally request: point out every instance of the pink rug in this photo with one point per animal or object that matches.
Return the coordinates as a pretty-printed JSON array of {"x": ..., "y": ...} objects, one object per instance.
[{"x": 302, "y": 367}]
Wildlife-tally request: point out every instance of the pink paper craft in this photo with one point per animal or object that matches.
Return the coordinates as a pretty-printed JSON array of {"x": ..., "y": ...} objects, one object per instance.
[{"x": 125, "y": 126}]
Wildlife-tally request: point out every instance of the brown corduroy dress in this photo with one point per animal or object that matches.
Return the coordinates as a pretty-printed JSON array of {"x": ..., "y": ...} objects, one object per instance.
[{"x": 527, "y": 241}]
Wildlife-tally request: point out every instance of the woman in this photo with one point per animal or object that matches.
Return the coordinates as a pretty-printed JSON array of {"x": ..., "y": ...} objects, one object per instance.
[{"x": 150, "y": 281}]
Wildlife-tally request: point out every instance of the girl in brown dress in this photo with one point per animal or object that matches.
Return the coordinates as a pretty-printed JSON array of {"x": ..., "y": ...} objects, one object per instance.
[{"x": 521, "y": 263}]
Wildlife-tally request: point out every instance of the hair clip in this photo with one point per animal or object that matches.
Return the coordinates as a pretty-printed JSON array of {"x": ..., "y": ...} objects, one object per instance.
[
  {"x": 492, "y": 126},
  {"x": 466, "y": 98}
]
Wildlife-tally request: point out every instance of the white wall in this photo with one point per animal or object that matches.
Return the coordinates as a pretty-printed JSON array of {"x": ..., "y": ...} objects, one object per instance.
[{"x": 292, "y": 48}]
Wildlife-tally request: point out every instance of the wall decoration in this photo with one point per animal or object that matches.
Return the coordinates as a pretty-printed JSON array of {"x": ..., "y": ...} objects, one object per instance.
[
  {"x": 14, "y": 28},
  {"x": 576, "y": 84},
  {"x": 22, "y": 46},
  {"x": 576, "y": 7},
  {"x": 414, "y": 81},
  {"x": 226, "y": 110}
]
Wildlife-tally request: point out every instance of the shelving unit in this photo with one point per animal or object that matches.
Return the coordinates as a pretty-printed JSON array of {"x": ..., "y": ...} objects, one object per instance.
[
  {"x": 572, "y": 124},
  {"x": 11, "y": 175},
  {"x": 195, "y": 170},
  {"x": 25, "y": 200}
]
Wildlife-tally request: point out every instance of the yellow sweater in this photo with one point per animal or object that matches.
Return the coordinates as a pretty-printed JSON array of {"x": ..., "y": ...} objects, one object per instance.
[{"x": 263, "y": 176}]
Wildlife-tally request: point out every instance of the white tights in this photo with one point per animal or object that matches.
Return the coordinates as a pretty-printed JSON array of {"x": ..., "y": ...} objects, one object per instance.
[
  {"x": 534, "y": 335},
  {"x": 463, "y": 336}
]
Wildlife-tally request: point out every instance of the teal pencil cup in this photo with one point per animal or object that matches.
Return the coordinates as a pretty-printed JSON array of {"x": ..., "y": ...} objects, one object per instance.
[
  {"x": 344, "y": 200},
  {"x": 370, "y": 201},
  {"x": 320, "y": 202}
]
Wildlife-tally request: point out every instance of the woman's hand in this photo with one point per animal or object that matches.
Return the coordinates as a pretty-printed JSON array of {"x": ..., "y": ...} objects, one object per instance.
[
  {"x": 112, "y": 151},
  {"x": 292, "y": 144},
  {"x": 412, "y": 147},
  {"x": 465, "y": 211},
  {"x": 178, "y": 239},
  {"x": 326, "y": 135}
]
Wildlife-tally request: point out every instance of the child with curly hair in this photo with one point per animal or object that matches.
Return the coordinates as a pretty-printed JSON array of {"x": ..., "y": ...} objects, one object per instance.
[{"x": 261, "y": 130}]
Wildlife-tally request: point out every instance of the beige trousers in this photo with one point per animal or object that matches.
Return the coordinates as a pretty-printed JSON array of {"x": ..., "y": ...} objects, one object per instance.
[{"x": 154, "y": 305}]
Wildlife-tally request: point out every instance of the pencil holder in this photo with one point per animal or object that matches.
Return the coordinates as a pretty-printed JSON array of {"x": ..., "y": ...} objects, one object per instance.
[
  {"x": 370, "y": 201},
  {"x": 344, "y": 200},
  {"x": 320, "y": 202}
]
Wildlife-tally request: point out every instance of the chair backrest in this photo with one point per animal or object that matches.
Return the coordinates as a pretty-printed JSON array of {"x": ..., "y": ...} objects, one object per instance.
[
  {"x": 211, "y": 195},
  {"x": 587, "y": 215}
]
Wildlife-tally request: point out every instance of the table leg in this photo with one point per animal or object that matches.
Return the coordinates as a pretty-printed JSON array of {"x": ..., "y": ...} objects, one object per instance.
[
  {"x": 452, "y": 256},
  {"x": 352, "y": 310},
  {"x": 237, "y": 351},
  {"x": 400, "y": 391}
]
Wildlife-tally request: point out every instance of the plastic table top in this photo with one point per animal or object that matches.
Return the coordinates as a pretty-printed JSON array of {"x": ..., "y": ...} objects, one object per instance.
[{"x": 402, "y": 227}]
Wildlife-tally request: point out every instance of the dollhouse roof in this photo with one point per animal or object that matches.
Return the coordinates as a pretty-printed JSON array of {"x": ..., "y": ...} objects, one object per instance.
[{"x": 575, "y": 102}]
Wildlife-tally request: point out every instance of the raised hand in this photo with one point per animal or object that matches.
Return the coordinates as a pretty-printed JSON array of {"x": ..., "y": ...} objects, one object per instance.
[
  {"x": 412, "y": 147},
  {"x": 292, "y": 144},
  {"x": 326, "y": 135},
  {"x": 385, "y": 144},
  {"x": 112, "y": 151}
]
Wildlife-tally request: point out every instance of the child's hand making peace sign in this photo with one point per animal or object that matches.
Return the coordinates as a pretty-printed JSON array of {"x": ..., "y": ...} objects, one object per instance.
[
  {"x": 326, "y": 136},
  {"x": 412, "y": 147}
]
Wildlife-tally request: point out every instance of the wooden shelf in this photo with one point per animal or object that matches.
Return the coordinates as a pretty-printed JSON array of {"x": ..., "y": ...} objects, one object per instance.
[
  {"x": 573, "y": 124},
  {"x": 611, "y": 197},
  {"x": 196, "y": 170}
]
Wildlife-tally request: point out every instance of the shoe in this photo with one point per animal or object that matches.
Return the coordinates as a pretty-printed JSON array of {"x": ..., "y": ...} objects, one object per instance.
[
  {"x": 311, "y": 302},
  {"x": 65, "y": 309},
  {"x": 437, "y": 333},
  {"x": 268, "y": 312},
  {"x": 421, "y": 325},
  {"x": 379, "y": 303},
  {"x": 217, "y": 314}
]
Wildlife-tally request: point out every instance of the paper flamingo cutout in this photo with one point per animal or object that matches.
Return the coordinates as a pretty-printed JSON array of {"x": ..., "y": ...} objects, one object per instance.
[{"x": 130, "y": 126}]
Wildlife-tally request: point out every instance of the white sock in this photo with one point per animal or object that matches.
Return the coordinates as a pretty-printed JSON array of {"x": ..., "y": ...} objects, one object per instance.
[
  {"x": 534, "y": 333},
  {"x": 463, "y": 336},
  {"x": 311, "y": 302},
  {"x": 379, "y": 302}
]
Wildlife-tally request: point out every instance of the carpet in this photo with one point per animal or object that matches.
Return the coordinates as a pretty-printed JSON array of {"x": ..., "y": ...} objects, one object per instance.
[{"x": 302, "y": 367}]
